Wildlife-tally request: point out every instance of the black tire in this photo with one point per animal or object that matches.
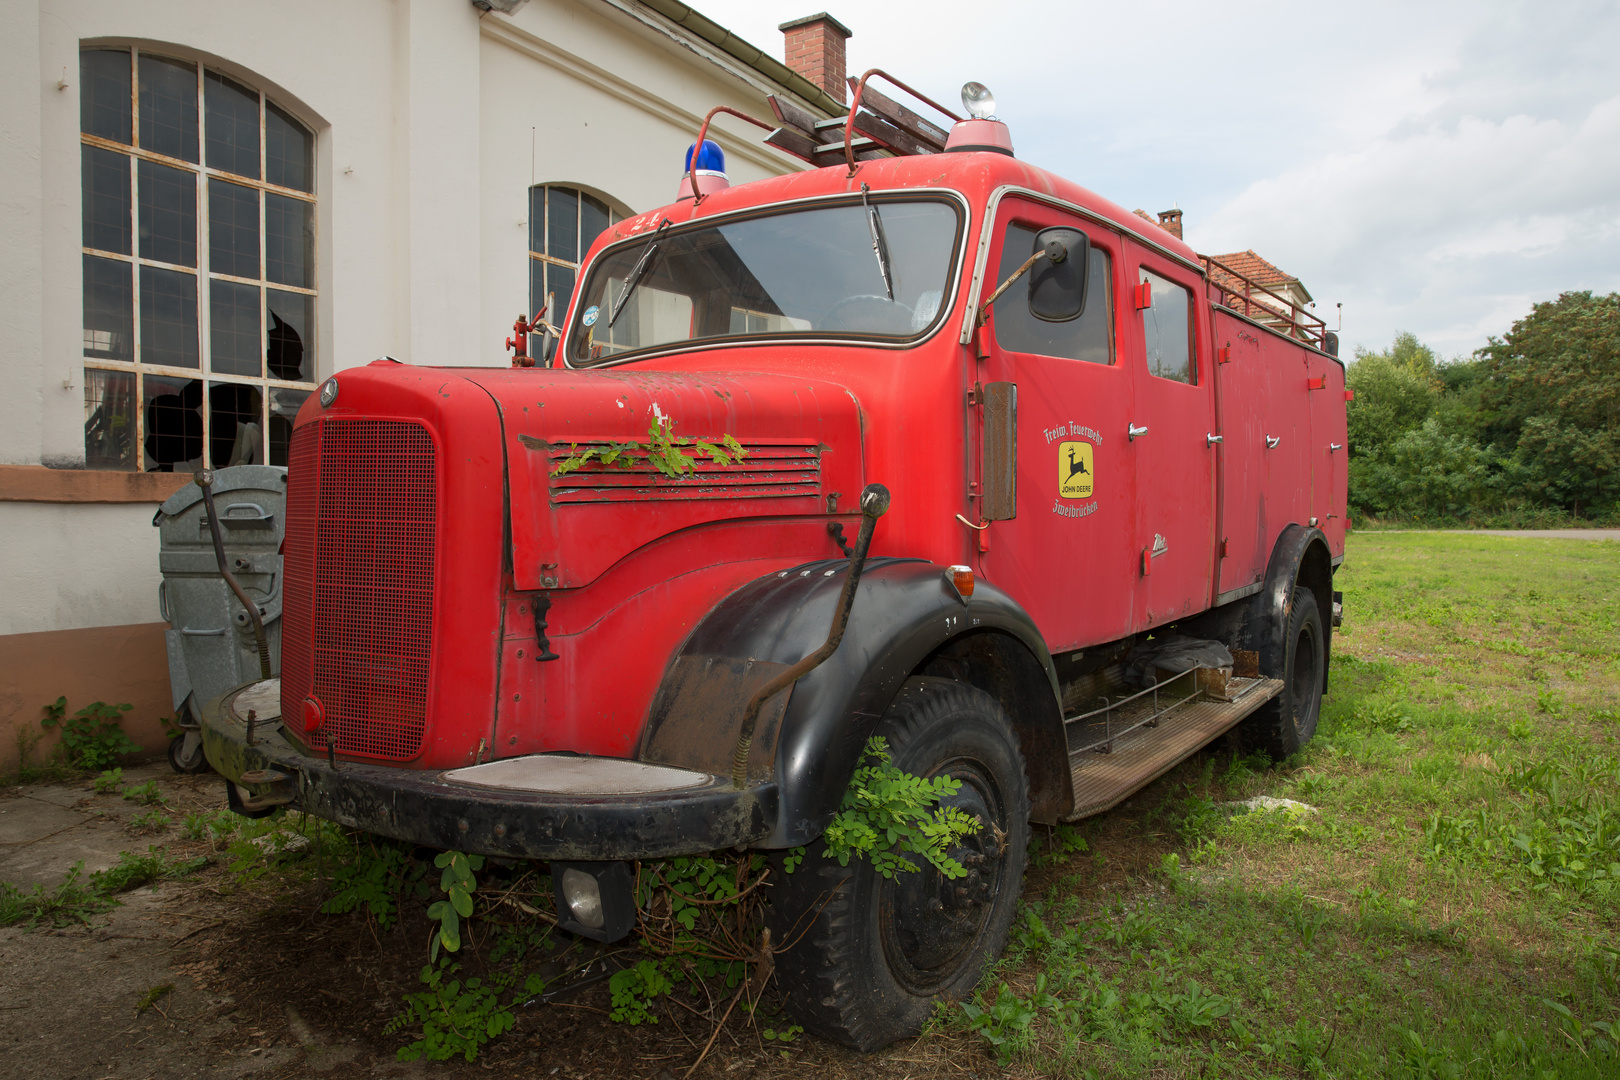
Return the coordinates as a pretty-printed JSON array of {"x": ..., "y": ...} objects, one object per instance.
[
  {"x": 869, "y": 956},
  {"x": 1287, "y": 722},
  {"x": 194, "y": 763}
]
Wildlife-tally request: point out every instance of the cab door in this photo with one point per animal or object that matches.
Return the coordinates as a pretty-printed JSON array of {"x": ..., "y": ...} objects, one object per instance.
[
  {"x": 1171, "y": 440},
  {"x": 1062, "y": 546}
]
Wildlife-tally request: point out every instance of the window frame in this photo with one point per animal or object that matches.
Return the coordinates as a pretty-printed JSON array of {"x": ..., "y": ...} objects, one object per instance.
[
  {"x": 202, "y": 273},
  {"x": 539, "y": 260},
  {"x": 1193, "y": 374}
]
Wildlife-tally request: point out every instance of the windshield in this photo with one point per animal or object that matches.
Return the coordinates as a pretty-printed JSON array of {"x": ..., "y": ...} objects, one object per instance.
[{"x": 799, "y": 273}]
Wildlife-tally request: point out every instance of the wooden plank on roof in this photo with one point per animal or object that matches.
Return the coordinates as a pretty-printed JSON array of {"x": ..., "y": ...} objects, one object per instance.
[
  {"x": 794, "y": 142},
  {"x": 901, "y": 116},
  {"x": 793, "y": 116},
  {"x": 891, "y": 137}
]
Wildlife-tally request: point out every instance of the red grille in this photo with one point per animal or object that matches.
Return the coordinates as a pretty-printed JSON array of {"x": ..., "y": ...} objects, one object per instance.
[{"x": 361, "y": 511}]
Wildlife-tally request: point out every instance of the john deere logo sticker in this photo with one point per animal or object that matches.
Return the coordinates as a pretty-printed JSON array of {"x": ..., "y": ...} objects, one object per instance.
[{"x": 1074, "y": 470}]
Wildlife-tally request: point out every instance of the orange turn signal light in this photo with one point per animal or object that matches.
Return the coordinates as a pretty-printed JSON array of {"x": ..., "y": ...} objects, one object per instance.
[{"x": 961, "y": 580}]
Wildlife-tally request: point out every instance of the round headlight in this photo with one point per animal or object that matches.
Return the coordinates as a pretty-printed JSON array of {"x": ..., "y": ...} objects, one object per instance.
[
  {"x": 329, "y": 390},
  {"x": 979, "y": 102}
]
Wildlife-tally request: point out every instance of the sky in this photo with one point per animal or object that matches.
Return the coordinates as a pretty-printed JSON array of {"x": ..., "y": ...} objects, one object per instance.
[{"x": 1434, "y": 167}]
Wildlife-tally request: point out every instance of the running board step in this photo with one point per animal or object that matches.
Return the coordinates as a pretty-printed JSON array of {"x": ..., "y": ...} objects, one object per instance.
[{"x": 1103, "y": 777}]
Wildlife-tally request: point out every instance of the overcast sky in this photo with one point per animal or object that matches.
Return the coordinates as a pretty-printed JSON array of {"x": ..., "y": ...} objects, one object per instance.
[{"x": 1435, "y": 167}]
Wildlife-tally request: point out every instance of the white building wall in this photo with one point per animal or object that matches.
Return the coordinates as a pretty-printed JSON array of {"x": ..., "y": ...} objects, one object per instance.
[{"x": 423, "y": 112}]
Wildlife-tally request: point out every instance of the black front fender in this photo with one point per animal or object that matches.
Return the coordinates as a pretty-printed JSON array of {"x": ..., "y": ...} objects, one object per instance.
[{"x": 809, "y": 739}]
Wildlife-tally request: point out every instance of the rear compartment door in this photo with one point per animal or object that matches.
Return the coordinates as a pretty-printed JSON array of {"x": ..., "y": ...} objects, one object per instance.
[{"x": 1173, "y": 415}]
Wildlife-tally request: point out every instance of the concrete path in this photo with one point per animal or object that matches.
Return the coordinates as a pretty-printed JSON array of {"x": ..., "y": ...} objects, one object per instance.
[{"x": 46, "y": 829}]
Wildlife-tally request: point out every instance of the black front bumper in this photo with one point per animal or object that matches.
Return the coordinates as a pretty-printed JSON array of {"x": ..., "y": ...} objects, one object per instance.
[{"x": 420, "y": 806}]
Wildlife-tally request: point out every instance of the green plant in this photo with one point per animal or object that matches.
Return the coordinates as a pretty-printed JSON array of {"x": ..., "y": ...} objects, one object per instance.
[
  {"x": 453, "y": 1017},
  {"x": 152, "y": 821},
  {"x": 1002, "y": 1021},
  {"x": 888, "y": 814},
  {"x": 373, "y": 875},
  {"x": 132, "y": 870},
  {"x": 147, "y": 794},
  {"x": 109, "y": 781},
  {"x": 458, "y": 884},
  {"x": 635, "y": 989},
  {"x": 91, "y": 737},
  {"x": 76, "y": 899},
  {"x": 663, "y": 451}
]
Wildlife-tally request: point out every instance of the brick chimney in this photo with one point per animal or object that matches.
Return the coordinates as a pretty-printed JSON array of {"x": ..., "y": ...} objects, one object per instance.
[
  {"x": 815, "y": 49},
  {"x": 1170, "y": 222}
]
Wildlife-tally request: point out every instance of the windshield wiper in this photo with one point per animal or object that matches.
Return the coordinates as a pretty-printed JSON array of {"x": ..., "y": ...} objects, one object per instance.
[
  {"x": 649, "y": 252},
  {"x": 880, "y": 243}
]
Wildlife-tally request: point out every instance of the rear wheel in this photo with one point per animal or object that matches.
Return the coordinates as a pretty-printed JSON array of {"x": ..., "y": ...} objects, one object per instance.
[
  {"x": 867, "y": 956},
  {"x": 1287, "y": 722}
]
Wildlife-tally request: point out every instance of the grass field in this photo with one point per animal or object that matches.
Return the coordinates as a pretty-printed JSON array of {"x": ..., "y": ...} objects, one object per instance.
[{"x": 1447, "y": 908}]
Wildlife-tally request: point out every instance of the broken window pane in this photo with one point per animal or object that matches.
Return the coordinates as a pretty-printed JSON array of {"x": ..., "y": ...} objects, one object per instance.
[
  {"x": 233, "y": 229},
  {"x": 289, "y": 151},
  {"x": 234, "y": 341},
  {"x": 284, "y": 406},
  {"x": 109, "y": 309},
  {"x": 104, "y": 177},
  {"x": 104, "y": 93},
  {"x": 289, "y": 241},
  {"x": 168, "y": 213},
  {"x": 233, "y": 126},
  {"x": 168, "y": 318},
  {"x": 235, "y": 425},
  {"x": 109, "y": 419},
  {"x": 169, "y": 107},
  {"x": 290, "y": 348},
  {"x": 174, "y": 423}
]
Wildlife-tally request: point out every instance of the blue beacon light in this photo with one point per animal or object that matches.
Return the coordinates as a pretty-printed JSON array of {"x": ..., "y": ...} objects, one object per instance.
[{"x": 711, "y": 170}]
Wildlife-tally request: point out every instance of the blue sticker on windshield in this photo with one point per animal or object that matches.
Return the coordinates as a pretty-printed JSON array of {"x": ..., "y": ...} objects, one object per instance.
[{"x": 590, "y": 316}]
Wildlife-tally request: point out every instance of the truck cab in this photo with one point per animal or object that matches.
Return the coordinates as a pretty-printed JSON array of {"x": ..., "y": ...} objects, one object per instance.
[{"x": 935, "y": 446}]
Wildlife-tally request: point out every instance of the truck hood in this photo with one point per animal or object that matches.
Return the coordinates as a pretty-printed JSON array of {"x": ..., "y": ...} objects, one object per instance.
[{"x": 802, "y": 437}]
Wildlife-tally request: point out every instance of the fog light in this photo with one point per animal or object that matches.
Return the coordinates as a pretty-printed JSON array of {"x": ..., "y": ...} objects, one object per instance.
[
  {"x": 583, "y": 897},
  {"x": 594, "y": 899}
]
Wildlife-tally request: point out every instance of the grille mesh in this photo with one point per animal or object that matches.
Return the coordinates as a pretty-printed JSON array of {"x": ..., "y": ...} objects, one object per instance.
[{"x": 369, "y": 617}]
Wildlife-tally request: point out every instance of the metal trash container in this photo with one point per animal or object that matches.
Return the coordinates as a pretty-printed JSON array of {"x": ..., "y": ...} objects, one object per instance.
[{"x": 211, "y": 643}]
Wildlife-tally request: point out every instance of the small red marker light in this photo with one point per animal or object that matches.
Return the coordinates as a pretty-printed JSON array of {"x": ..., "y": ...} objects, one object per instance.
[
  {"x": 961, "y": 579},
  {"x": 314, "y": 715}
]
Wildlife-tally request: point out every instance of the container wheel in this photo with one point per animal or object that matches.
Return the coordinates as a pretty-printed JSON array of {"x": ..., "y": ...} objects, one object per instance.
[
  {"x": 186, "y": 753},
  {"x": 867, "y": 957},
  {"x": 1286, "y": 723}
]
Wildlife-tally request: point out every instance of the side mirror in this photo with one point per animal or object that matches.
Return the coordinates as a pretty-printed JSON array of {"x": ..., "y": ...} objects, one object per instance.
[{"x": 1057, "y": 283}]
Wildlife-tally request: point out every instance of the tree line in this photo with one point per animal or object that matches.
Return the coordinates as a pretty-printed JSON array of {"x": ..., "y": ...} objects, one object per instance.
[{"x": 1525, "y": 431}]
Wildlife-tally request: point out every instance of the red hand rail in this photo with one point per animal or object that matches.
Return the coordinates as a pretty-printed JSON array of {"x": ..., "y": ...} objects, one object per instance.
[
  {"x": 855, "y": 104},
  {"x": 697, "y": 149}
]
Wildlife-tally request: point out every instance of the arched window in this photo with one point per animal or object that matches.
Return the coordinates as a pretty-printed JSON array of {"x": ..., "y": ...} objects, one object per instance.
[
  {"x": 563, "y": 223},
  {"x": 199, "y": 265}
]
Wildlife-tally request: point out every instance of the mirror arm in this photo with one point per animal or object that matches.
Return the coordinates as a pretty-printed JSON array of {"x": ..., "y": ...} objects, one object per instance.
[{"x": 984, "y": 310}]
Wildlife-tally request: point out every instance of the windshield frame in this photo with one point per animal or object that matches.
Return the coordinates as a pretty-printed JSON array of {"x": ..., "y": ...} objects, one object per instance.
[{"x": 878, "y": 198}]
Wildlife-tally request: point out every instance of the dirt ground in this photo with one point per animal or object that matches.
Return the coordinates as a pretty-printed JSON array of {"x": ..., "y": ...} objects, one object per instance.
[{"x": 253, "y": 981}]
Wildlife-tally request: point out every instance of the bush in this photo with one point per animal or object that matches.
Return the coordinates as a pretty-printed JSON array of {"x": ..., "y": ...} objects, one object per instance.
[{"x": 91, "y": 737}]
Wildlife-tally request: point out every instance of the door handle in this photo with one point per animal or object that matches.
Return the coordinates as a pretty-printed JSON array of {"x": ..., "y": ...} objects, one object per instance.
[
  {"x": 1133, "y": 431},
  {"x": 1272, "y": 441},
  {"x": 1212, "y": 439},
  {"x": 1332, "y": 446}
]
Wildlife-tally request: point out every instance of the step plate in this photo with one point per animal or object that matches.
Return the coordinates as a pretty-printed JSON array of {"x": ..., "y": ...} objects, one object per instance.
[{"x": 1103, "y": 781}]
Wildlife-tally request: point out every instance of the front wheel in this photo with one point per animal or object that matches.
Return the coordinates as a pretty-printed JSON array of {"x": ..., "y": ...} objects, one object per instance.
[
  {"x": 867, "y": 956},
  {"x": 1286, "y": 723}
]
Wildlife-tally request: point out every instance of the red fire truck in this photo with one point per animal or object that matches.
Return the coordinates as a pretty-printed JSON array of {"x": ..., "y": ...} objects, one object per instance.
[{"x": 973, "y": 452}]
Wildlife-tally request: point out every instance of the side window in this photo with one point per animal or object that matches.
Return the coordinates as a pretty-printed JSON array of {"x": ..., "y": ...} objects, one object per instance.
[
  {"x": 1167, "y": 328},
  {"x": 1089, "y": 338}
]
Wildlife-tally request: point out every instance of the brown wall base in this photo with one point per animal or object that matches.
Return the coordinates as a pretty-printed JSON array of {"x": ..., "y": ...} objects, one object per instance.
[{"x": 115, "y": 664}]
